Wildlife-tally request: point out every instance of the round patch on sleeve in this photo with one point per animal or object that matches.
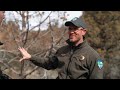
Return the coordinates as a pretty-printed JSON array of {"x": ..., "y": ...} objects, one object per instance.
[{"x": 100, "y": 63}]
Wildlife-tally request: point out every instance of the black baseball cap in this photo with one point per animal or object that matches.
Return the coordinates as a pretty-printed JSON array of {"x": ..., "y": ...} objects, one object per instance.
[{"x": 77, "y": 22}]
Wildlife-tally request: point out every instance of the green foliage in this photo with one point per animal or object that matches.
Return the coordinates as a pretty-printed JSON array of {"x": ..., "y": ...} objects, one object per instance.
[
  {"x": 104, "y": 35},
  {"x": 104, "y": 28}
]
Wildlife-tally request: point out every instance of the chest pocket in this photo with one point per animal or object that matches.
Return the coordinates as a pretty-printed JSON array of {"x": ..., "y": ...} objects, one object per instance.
[
  {"x": 79, "y": 61},
  {"x": 64, "y": 57}
]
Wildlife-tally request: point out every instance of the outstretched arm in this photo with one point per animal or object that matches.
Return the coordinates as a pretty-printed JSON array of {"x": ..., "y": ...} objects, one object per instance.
[
  {"x": 26, "y": 55},
  {"x": 47, "y": 63}
]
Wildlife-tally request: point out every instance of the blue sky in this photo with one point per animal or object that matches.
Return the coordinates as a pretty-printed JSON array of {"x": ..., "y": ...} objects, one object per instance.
[{"x": 33, "y": 22}]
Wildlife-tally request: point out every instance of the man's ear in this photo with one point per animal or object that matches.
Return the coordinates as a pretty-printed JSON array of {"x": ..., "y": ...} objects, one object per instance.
[{"x": 84, "y": 32}]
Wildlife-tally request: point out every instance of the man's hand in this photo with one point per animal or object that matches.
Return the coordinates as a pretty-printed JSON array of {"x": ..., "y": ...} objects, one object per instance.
[{"x": 26, "y": 55}]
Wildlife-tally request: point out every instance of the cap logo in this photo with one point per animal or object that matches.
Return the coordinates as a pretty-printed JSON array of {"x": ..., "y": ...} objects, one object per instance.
[{"x": 74, "y": 19}]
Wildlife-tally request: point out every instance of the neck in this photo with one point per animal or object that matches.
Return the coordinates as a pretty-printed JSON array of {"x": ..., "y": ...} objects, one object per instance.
[
  {"x": 79, "y": 42},
  {"x": 74, "y": 43}
]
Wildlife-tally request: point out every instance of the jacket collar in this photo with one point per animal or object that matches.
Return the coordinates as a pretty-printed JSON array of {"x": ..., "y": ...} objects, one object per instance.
[{"x": 84, "y": 43}]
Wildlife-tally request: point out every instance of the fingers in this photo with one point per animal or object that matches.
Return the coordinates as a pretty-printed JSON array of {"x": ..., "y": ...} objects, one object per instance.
[
  {"x": 21, "y": 60},
  {"x": 22, "y": 50},
  {"x": 26, "y": 55},
  {"x": 20, "y": 47}
]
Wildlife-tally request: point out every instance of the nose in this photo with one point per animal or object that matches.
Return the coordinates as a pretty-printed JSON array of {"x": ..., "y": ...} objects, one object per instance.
[{"x": 70, "y": 32}]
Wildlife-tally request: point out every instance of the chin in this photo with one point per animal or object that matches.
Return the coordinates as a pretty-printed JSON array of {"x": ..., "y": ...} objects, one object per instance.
[{"x": 71, "y": 40}]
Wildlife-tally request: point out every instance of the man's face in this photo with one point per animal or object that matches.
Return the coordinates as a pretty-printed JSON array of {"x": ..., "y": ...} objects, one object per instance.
[
  {"x": 2, "y": 16},
  {"x": 76, "y": 34}
]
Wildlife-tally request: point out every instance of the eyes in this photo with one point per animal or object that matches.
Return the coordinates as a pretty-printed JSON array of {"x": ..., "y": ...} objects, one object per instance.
[{"x": 74, "y": 28}]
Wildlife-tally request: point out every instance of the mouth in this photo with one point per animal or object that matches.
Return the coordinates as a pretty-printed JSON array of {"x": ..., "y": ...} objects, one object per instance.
[{"x": 72, "y": 35}]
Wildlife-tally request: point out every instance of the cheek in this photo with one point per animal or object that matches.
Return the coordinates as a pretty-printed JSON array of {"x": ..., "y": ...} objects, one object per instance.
[
  {"x": 81, "y": 33},
  {"x": 70, "y": 33},
  {"x": 78, "y": 34}
]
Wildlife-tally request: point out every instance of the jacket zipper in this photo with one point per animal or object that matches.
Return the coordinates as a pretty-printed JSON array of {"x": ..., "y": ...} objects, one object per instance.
[{"x": 71, "y": 54}]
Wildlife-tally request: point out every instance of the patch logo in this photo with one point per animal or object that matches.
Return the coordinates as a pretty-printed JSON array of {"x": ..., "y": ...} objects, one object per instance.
[{"x": 100, "y": 63}]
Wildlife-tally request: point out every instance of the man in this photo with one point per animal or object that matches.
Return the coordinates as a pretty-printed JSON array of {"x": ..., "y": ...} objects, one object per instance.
[{"x": 77, "y": 60}]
